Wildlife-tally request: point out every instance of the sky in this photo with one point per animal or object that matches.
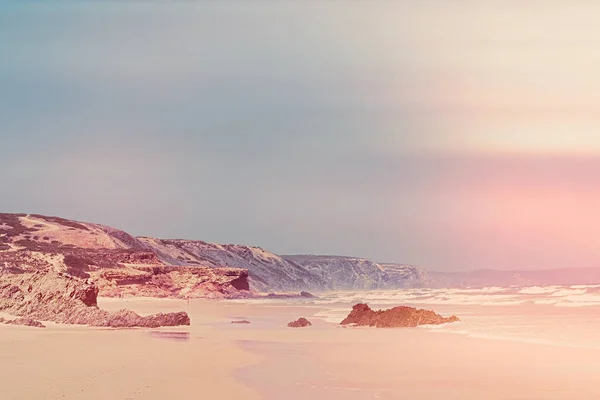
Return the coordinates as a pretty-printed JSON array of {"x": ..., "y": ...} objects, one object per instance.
[{"x": 453, "y": 135}]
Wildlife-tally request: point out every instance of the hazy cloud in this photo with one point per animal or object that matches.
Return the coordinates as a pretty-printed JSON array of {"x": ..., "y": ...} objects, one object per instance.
[{"x": 447, "y": 134}]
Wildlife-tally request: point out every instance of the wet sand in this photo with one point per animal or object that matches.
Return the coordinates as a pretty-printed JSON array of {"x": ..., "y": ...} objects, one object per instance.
[
  {"x": 74, "y": 362},
  {"x": 266, "y": 360},
  {"x": 413, "y": 364}
]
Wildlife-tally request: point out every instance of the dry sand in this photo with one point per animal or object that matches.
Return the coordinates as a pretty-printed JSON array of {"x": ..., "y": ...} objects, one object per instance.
[{"x": 214, "y": 359}]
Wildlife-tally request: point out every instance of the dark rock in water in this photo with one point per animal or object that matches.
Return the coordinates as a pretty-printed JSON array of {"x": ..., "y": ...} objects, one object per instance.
[
  {"x": 362, "y": 315},
  {"x": 290, "y": 295},
  {"x": 279, "y": 296},
  {"x": 23, "y": 322},
  {"x": 300, "y": 323},
  {"x": 240, "y": 322}
]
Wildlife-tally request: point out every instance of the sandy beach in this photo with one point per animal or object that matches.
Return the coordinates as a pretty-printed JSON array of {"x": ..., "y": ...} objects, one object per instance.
[{"x": 266, "y": 360}]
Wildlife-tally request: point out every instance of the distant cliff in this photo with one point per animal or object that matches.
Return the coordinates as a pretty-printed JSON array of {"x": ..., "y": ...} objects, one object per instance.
[
  {"x": 268, "y": 271},
  {"x": 351, "y": 273}
]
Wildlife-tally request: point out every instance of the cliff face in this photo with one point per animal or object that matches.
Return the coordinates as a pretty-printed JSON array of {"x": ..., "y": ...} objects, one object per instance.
[
  {"x": 125, "y": 265},
  {"x": 350, "y": 273},
  {"x": 406, "y": 276},
  {"x": 173, "y": 282},
  {"x": 267, "y": 271},
  {"x": 52, "y": 296},
  {"x": 119, "y": 263}
]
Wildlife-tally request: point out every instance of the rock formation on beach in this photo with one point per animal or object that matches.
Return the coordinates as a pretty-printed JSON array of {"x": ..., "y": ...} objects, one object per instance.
[
  {"x": 397, "y": 317},
  {"x": 22, "y": 322},
  {"x": 300, "y": 323},
  {"x": 56, "y": 297}
]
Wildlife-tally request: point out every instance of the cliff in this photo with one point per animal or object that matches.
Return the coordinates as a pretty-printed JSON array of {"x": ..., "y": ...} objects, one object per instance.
[
  {"x": 267, "y": 271},
  {"x": 52, "y": 296},
  {"x": 119, "y": 263},
  {"x": 122, "y": 264},
  {"x": 351, "y": 273}
]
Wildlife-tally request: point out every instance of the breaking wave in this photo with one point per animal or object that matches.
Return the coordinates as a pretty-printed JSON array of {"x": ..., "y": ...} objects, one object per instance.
[{"x": 548, "y": 315}]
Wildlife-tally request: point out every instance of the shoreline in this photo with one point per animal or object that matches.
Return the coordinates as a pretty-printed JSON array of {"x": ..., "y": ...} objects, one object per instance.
[{"x": 267, "y": 360}]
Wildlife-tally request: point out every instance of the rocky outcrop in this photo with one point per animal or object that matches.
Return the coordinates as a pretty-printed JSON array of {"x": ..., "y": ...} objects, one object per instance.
[
  {"x": 56, "y": 297},
  {"x": 299, "y": 323},
  {"x": 127, "y": 318},
  {"x": 22, "y": 322},
  {"x": 397, "y": 317},
  {"x": 186, "y": 282}
]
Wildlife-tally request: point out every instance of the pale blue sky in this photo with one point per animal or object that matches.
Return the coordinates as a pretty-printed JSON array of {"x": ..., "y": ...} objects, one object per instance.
[{"x": 448, "y": 134}]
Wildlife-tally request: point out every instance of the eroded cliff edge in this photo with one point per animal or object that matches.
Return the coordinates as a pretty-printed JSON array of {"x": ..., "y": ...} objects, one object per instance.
[
  {"x": 53, "y": 296},
  {"x": 117, "y": 263}
]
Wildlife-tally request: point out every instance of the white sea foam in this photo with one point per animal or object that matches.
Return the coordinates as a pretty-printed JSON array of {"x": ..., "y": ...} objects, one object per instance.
[
  {"x": 547, "y": 300},
  {"x": 583, "y": 298},
  {"x": 584, "y": 286},
  {"x": 567, "y": 292},
  {"x": 486, "y": 296},
  {"x": 473, "y": 299},
  {"x": 539, "y": 289}
]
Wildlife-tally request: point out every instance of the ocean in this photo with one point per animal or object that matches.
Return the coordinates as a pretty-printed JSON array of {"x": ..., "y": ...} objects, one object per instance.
[{"x": 551, "y": 315}]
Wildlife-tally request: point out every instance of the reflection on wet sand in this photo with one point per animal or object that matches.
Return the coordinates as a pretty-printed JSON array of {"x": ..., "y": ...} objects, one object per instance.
[{"x": 177, "y": 336}]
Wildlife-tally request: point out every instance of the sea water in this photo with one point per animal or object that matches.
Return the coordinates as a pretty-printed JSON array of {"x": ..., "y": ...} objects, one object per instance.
[{"x": 552, "y": 315}]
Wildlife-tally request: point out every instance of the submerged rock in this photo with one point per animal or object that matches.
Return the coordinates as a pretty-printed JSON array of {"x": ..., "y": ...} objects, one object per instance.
[
  {"x": 300, "y": 323},
  {"x": 305, "y": 295},
  {"x": 51, "y": 296},
  {"x": 363, "y": 315}
]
